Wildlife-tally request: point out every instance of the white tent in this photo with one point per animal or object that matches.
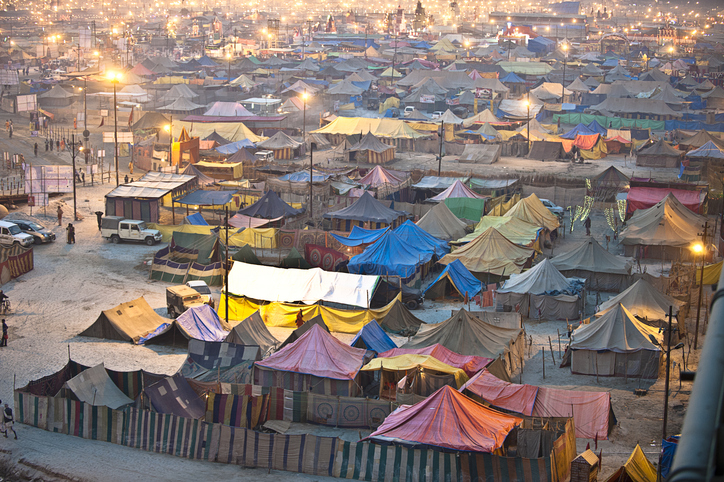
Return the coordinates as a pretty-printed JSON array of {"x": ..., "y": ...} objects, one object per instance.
[
  {"x": 602, "y": 270},
  {"x": 643, "y": 301}
]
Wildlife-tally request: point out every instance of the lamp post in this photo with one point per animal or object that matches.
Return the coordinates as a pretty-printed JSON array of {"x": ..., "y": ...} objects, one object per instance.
[
  {"x": 114, "y": 77},
  {"x": 228, "y": 57},
  {"x": 563, "y": 82},
  {"x": 700, "y": 248},
  {"x": 169, "y": 128},
  {"x": 671, "y": 59},
  {"x": 72, "y": 155},
  {"x": 527, "y": 117},
  {"x": 304, "y": 115}
]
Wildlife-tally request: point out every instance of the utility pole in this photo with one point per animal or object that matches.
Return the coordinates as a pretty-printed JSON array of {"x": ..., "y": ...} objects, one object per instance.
[
  {"x": 701, "y": 283},
  {"x": 226, "y": 265},
  {"x": 442, "y": 139},
  {"x": 311, "y": 192},
  {"x": 72, "y": 154}
]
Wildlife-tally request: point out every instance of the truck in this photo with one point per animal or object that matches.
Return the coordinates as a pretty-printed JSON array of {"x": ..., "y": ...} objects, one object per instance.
[
  {"x": 117, "y": 229},
  {"x": 180, "y": 298}
]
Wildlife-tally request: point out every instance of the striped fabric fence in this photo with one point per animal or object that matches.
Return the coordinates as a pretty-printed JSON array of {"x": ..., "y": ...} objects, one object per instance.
[{"x": 237, "y": 411}]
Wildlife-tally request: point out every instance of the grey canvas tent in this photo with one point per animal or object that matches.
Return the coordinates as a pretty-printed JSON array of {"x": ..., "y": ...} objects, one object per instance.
[
  {"x": 545, "y": 151},
  {"x": 645, "y": 302},
  {"x": 660, "y": 154},
  {"x": 253, "y": 331},
  {"x": 480, "y": 153},
  {"x": 442, "y": 223},
  {"x": 400, "y": 320},
  {"x": 602, "y": 270},
  {"x": 133, "y": 321},
  {"x": 617, "y": 344}
]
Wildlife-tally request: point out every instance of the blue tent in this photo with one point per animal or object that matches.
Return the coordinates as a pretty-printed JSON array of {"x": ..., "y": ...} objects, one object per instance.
[
  {"x": 668, "y": 449},
  {"x": 610, "y": 63},
  {"x": 373, "y": 337},
  {"x": 303, "y": 176},
  {"x": 195, "y": 219},
  {"x": 359, "y": 236},
  {"x": 201, "y": 323},
  {"x": 234, "y": 146},
  {"x": 511, "y": 78},
  {"x": 207, "y": 198},
  {"x": 460, "y": 279},
  {"x": 541, "y": 45},
  {"x": 422, "y": 45},
  {"x": 709, "y": 149},
  {"x": 362, "y": 84},
  {"x": 581, "y": 129},
  {"x": 417, "y": 237},
  {"x": 389, "y": 255},
  {"x": 597, "y": 128},
  {"x": 207, "y": 62}
]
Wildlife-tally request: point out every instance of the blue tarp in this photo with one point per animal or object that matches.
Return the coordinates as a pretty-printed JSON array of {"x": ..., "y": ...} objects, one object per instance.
[
  {"x": 373, "y": 337},
  {"x": 610, "y": 63},
  {"x": 668, "y": 449},
  {"x": 207, "y": 198},
  {"x": 693, "y": 126},
  {"x": 202, "y": 323},
  {"x": 234, "y": 146},
  {"x": 303, "y": 176},
  {"x": 362, "y": 84},
  {"x": 512, "y": 78},
  {"x": 195, "y": 219},
  {"x": 421, "y": 240},
  {"x": 541, "y": 45},
  {"x": 359, "y": 236},
  {"x": 461, "y": 279},
  {"x": 581, "y": 129},
  {"x": 422, "y": 45},
  {"x": 708, "y": 150},
  {"x": 389, "y": 255},
  {"x": 597, "y": 128}
]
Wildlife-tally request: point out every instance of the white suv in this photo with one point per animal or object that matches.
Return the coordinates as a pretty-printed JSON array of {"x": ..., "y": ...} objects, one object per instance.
[{"x": 11, "y": 234}]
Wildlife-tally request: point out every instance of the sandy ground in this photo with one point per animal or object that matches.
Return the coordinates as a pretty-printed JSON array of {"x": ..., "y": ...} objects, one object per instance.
[{"x": 71, "y": 284}]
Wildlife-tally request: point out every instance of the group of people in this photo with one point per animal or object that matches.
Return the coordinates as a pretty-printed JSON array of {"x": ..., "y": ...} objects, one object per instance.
[{"x": 70, "y": 229}]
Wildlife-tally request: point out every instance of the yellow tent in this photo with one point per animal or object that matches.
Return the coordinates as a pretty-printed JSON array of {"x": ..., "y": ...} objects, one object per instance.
[
  {"x": 637, "y": 468},
  {"x": 390, "y": 102},
  {"x": 491, "y": 252},
  {"x": 503, "y": 207},
  {"x": 513, "y": 229},
  {"x": 532, "y": 211},
  {"x": 231, "y": 131},
  {"x": 410, "y": 362},
  {"x": 385, "y": 127},
  {"x": 254, "y": 237},
  {"x": 597, "y": 152},
  {"x": 712, "y": 272}
]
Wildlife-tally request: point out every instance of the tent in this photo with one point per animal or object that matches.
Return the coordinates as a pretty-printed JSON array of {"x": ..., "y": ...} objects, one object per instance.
[
  {"x": 209, "y": 361},
  {"x": 641, "y": 198},
  {"x": 366, "y": 209},
  {"x": 532, "y": 211},
  {"x": 417, "y": 374},
  {"x": 414, "y": 236},
  {"x": 301, "y": 330},
  {"x": 456, "y": 190},
  {"x": 391, "y": 254},
  {"x": 360, "y": 236},
  {"x": 513, "y": 229},
  {"x": 546, "y": 150},
  {"x": 611, "y": 178},
  {"x": 449, "y": 420},
  {"x": 442, "y": 223},
  {"x": 150, "y": 120},
  {"x": 270, "y": 206},
  {"x": 470, "y": 364},
  {"x": 174, "y": 395},
  {"x": 371, "y": 150},
  {"x": 228, "y": 109},
  {"x": 201, "y": 178},
  {"x": 491, "y": 253},
  {"x": 707, "y": 151},
  {"x": 466, "y": 334},
  {"x": 373, "y": 337},
  {"x": 580, "y": 129},
  {"x": 400, "y": 320},
  {"x": 591, "y": 411},
  {"x": 201, "y": 323},
  {"x": 454, "y": 278},
  {"x": 659, "y": 154},
  {"x": 636, "y": 469},
  {"x": 712, "y": 273},
  {"x": 295, "y": 260},
  {"x": 616, "y": 344},
  {"x": 283, "y": 146},
  {"x": 480, "y": 153},
  {"x": 542, "y": 293},
  {"x": 133, "y": 321},
  {"x": 252, "y": 331},
  {"x": 246, "y": 254},
  {"x": 316, "y": 362},
  {"x": 379, "y": 176},
  {"x": 94, "y": 387},
  {"x": 643, "y": 301},
  {"x": 602, "y": 270}
]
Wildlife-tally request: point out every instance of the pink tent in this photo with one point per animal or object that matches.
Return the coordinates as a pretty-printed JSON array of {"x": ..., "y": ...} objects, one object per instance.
[
  {"x": 475, "y": 75},
  {"x": 591, "y": 411},
  {"x": 457, "y": 189},
  {"x": 450, "y": 420},
  {"x": 319, "y": 354},
  {"x": 140, "y": 69},
  {"x": 470, "y": 364},
  {"x": 380, "y": 176}
]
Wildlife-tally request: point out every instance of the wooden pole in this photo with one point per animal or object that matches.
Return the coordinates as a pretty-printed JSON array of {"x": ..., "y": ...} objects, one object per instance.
[
  {"x": 543, "y": 360},
  {"x": 550, "y": 344}
]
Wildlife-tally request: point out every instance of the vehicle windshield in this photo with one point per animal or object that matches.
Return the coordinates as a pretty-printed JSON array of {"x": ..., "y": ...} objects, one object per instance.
[
  {"x": 141, "y": 226},
  {"x": 204, "y": 290},
  {"x": 35, "y": 226},
  {"x": 14, "y": 229}
]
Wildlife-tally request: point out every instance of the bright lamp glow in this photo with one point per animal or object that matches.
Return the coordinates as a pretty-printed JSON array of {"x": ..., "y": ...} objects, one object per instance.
[{"x": 697, "y": 248}]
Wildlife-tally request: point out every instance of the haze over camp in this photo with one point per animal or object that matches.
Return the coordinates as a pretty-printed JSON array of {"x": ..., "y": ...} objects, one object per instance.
[{"x": 422, "y": 240}]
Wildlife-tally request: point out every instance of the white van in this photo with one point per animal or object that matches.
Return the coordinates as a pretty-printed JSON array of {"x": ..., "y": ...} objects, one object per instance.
[{"x": 11, "y": 234}]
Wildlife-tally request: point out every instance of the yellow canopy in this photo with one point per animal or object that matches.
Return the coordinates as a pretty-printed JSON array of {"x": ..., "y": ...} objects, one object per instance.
[
  {"x": 532, "y": 211},
  {"x": 499, "y": 209},
  {"x": 516, "y": 231},
  {"x": 712, "y": 272},
  {"x": 231, "y": 131},
  {"x": 410, "y": 362},
  {"x": 637, "y": 467},
  {"x": 385, "y": 127},
  {"x": 491, "y": 252}
]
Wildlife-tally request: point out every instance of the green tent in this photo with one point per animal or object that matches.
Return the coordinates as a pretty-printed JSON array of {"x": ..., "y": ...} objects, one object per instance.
[
  {"x": 295, "y": 260},
  {"x": 466, "y": 208},
  {"x": 246, "y": 255}
]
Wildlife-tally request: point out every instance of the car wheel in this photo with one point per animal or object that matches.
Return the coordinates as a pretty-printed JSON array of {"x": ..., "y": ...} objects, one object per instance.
[
  {"x": 115, "y": 239},
  {"x": 412, "y": 304},
  {"x": 37, "y": 240},
  {"x": 150, "y": 241}
]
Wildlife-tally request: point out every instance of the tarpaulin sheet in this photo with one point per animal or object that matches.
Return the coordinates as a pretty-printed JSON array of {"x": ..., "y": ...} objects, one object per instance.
[
  {"x": 586, "y": 141},
  {"x": 174, "y": 395},
  {"x": 359, "y": 236},
  {"x": 305, "y": 285},
  {"x": 252, "y": 331},
  {"x": 196, "y": 219},
  {"x": 254, "y": 237},
  {"x": 667, "y": 223},
  {"x": 441, "y": 223},
  {"x": 373, "y": 337},
  {"x": 580, "y": 129},
  {"x": 636, "y": 469},
  {"x": 466, "y": 208},
  {"x": 94, "y": 386},
  {"x": 389, "y": 255},
  {"x": 646, "y": 197},
  {"x": 617, "y": 331},
  {"x": 643, "y": 301},
  {"x": 450, "y": 420},
  {"x": 492, "y": 253},
  {"x": 201, "y": 323},
  {"x": 319, "y": 354},
  {"x": 513, "y": 229},
  {"x": 320, "y": 257},
  {"x": 470, "y": 364},
  {"x": 461, "y": 279},
  {"x": 402, "y": 363},
  {"x": 532, "y": 211},
  {"x": 242, "y": 221},
  {"x": 612, "y": 122},
  {"x": 590, "y": 410},
  {"x": 591, "y": 256},
  {"x": 415, "y": 236},
  {"x": 206, "y": 198},
  {"x": 509, "y": 396},
  {"x": 712, "y": 272}
]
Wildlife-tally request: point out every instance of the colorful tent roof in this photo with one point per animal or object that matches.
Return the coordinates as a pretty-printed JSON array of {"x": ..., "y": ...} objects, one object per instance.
[
  {"x": 701, "y": 138},
  {"x": 459, "y": 277},
  {"x": 228, "y": 109},
  {"x": 201, "y": 323},
  {"x": 591, "y": 256},
  {"x": 618, "y": 331},
  {"x": 470, "y": 364},
  {"x": 270, "y": 206},
  {"x": 253, "y": 331},
  {"x": 644, "y": 301},
  {"x": 491, "y": 253},
  {"x": 390, "y": 255},
  {"x": 380, "y": 176},
  {"x": 532, "y": 211},
  {"x": 412, "y": 361},
  {"x": 580, "y": 129},
  {"x": 373, "y": 337},
  {"x": 449, "y": 420},
  {"x": 442, "y": 223},
  {"x": 707, "y": 151},
  {"x": 542, "y": 278},
  {"x": 513, "y": 229},
  {"x": 319, "y": 354},
  {"x": 667, "y": 223},
  {"x": 636, "y": 469},
  {"x": 366, "y": 208},
  {"x": 457, "y": 189},
  {"x": 359, "y": 236},
  {"x": 306, "y": 326}
]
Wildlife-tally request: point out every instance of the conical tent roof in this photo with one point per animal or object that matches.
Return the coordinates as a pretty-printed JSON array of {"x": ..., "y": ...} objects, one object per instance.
[
  {"x": 459, "y": 277},
  {"x": 611, "y": 178},
  {"x": 449, "y": 118},
  {"x": 418, "y": 238},
  {"x": 644, "y": 301},
  {"x": 369, "y": 142},
  {"x": 512, "y": 78},
  {"x": 701, "y": 138},
  {"x": 716, "y": 93},
  {"x": 270, "y": 206},
  {"x": 592, "y": 69},
  {"x": 280, "y": 140},
  {"x": 491, "y": 253},
  {"x": 442, "y": 223},
  {"x": 379, "y": 176},
  {"x": 513, "y": 229},
  {"x": 317, "y": 353},
  {"x": 244, "y": 82},
  {"x": 317, "y": 320},
  {"x": 246, "y": 254},
  {"x": 532, "y": 211},
  {"x": 667, "y": 223},
  {"x": 542, "y": 278},
  {"x": 578, "y": 86},
  {"x": 182, "y": 104},
  {"x": 295, "y": 260},
  {"x": 150, "y": 120},
  {"x": 707, "y": 151},
  {"x": 465, "y": 334},
  {"x": 488, "y": 130},
  {"x": 366, "y": 208},
  {"x": 618, "y": 331},
  {"x": 201, "y": 178},
  {"x": 400, "y": 320},
  {"x": 57, "y": 92},
  {"x": 592, "y": 82},
  {"x": 591, "y": 256},
  {"x": 140, "y": 69},
  {"x": 456, "y": 189},
  {"x": 484, "y": 116},
  {"x": 216, "y": 137},
  {"x": 417, "y": 115},
  {"x": 430, "y": 86},
  {"x": 654, "y": 74},
  {"x": 373, "y": 337},
  {"x": 228, "y": 109}
]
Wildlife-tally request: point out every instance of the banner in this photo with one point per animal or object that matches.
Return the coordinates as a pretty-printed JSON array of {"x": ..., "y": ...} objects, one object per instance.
[
  {"x": 45, "y": 179},
  {"x": 427, "y": 99}
]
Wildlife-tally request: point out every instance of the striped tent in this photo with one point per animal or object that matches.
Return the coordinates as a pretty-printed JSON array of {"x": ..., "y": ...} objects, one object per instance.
[{"x": 370, "y": 149}]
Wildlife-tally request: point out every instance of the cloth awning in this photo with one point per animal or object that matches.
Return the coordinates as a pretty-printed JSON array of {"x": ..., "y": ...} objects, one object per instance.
[{"x": 207, "y": 198}]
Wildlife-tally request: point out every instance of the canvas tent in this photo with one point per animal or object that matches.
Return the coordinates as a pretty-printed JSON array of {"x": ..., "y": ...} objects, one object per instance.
[
  {"x": 532, "y": 211},
  {"x": 542, "y": 293},
  {"x": 201, "y": 323},
  {"x": 270, "y": 206},
  {"x": 413, "y": 374},
  {"x": 643, "y": 301},
  {"x": 400, "y": 320},
  {"x": 513, "y": 229},
  {"x": 301, "y": 330},
  {"x": 373, "y": 337},
  {"x": 456, "y": 190},
  {"x": 602, "y": 270},
  {"x": 451, "y": 421},
  {"x": 133, "y": 321},
  {"x": 93, "y": 386},
  {"x": 174, "y": 395},
  {"x": 455, "y": 278},
  {"x": 283, "y": 146},
  {"x": 699, "y": 139},
  {"x": 208, "y": 361},
  {"x": 616, "y": 344},
  {"x": 370, "y": 149},
  {"x": 470, "y": 364},
  {"x": 253, "y": 331},
  {"x": 491, "y": 253},
  {"x": 366, "y": 209},
  {"x": 316, "y": 362},
  {"x": 442, "y": 223},
  {"x": 636, "y": 469},
  {"x": 546, "y": 150},
  {"x": 660, "y": 154},
  {"x": 480, "y": 153}
]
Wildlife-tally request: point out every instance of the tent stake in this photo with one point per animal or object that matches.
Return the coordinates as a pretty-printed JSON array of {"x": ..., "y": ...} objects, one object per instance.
[
  {"x": 559, "y": 344},
  {"x": 543, "y": 359}
]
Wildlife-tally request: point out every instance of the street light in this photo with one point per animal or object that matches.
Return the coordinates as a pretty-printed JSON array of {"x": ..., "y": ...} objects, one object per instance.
[
  {"x": 169, "y": 128},
  {"x": 228, "y": 57},
  {"x": 671, "y": 59},
  {"x": 527, "y": 106},
  {"x": 115, "y": 77},
  {"x": 304, "y": 115},
  {"x": 698, "y": 248},
  {"x": 563, "y": 83},
  {"x": 72, "y": 155}
]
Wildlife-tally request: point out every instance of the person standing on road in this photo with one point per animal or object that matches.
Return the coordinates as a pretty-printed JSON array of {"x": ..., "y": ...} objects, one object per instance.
[
  {"x": 46, "y": 145},
  {"x": 125, "y": 179},
  {"x": 60, "y": 216},
  {"x": 35, "y": 149},
  {"x": 11, "y": 131},
  {"x": 71, "y": 233},
  {"x": 4, "y": 340},
  {"x": 300, "y": 319},
  {"x": 99, "y": 216},
  {"x": 587, "y": 224},
  {"x": 8, "y": 419}
]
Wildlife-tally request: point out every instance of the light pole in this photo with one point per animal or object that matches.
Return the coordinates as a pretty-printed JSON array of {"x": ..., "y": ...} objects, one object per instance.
[
  {"x": 228, "y": 57},
  {"x": 169, "y": 128},
  {"x": 527, "y": 117},
  {"x": 72, "y": 155},
  {"x": 114, "y": 77},
  {"x": 563, "y": 82},
  {"x": 304, "y": 115},
  {"x": 671, "y": 59},
  {"x": 700, "y": 248}
]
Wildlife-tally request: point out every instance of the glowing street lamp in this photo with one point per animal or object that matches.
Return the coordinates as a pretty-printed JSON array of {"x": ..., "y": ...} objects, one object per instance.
[
  {"x": 115, "y": 77},
  {"x": 698, "y": 248},
  {"x": 169, "y": 128}
]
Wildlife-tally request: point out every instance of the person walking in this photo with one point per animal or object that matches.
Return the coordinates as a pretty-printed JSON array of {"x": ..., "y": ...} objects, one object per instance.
[
  {"x": 35, "y": 149},
  {"x": 71, "y": 233},
  {"x": 8, "y": 420},
  {"x": 11, "y": 131},
  {"x": 300, "y": 319},
  {"x": 4, "y": 339},
  {"x": 99, "y": 216},
  {"x": 125, "y": 179},
  {"x": 587, "y": 224},
  {"x": 60, "y": 216}
]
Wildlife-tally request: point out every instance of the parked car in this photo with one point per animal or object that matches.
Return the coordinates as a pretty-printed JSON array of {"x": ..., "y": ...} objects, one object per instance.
[
  {"x": 39, "y": 232},
  {"x": 12, "y": 235},
  {"x": 554, "y": 208},
  {"x": 409, "y": 110},
  {"x": 180, "y": 298},
  {"x": 437, "y": 114},
  {"x": 118, "y": 229},
  {"x": 203, "y": 289}
]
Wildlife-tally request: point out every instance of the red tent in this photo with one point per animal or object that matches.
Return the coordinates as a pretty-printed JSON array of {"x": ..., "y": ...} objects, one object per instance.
[
  {"x": 317, "y": 353},
  {"x": 140, "y": 69},
  {"x": 457, "y": 189},
  {"x": 646, "y": 197},
  {"x": 470, "y": 364},
  {"x": 510, "y": 396},
  {"x": 449, "y": 420}
]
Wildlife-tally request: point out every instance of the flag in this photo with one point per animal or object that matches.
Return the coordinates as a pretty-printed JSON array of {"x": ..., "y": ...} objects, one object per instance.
[
  {"x": 130, "y": 118},
  {"x": 103, "y": 119}
]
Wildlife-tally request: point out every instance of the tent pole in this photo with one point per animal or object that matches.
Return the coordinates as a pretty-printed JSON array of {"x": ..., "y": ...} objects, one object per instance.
[{"x": 226, "y": 266}]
